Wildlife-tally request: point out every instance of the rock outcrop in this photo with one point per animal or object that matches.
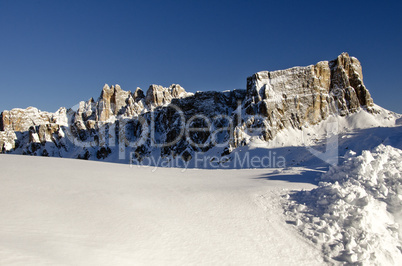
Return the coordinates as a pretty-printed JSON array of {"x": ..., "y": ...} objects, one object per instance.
[
  {"x": 22, "y": 119},
  {"x": 306, "y": 95},
  {"x": 158, "y": 95},
  {"x": 114, "y": 101},
  {"x": 172, "y": 122}
]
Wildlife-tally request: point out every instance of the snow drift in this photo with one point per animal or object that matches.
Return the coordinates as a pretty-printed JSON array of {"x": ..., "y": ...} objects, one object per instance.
[{"x": 355, "y": 212}]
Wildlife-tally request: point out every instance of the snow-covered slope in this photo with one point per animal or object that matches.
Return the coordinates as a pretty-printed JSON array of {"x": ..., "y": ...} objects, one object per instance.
[
  {"x": 74, "y": 212},
  {"x": 71, "y": 212}
]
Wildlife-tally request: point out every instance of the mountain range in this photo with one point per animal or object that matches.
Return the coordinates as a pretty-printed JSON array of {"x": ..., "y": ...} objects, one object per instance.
[{"x": 296, "y": 107}]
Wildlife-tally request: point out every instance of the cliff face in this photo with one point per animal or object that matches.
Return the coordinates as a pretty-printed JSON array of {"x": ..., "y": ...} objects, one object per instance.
[
  {"x": 172, "y": 122},
  {"x": 22, "y": 119},
  {"x": 306, "y": 95}
]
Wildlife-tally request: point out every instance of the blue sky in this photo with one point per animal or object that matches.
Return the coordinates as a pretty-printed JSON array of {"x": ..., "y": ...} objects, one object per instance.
[{"x": 57, "y": 53}]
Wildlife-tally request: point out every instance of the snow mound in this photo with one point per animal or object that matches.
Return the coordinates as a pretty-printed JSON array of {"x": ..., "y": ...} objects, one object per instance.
[{"x": 355, "y": 212}]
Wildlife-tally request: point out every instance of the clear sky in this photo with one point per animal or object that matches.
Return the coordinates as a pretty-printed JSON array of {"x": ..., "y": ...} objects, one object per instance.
[{"x": 57, "y": 53}]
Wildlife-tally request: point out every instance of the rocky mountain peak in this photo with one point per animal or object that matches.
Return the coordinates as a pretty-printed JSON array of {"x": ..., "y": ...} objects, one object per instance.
[
  {"x": 300, "y": 95},
  {"x": 138, "y": 94},
  {"x": 158, "y": 95}
]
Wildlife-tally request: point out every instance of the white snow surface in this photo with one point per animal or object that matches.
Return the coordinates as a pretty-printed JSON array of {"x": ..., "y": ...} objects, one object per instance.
[
  {"x": 355, "y": 213},
  {"x": 57, "y": 211},
  {"x": 347, "y": 127}
]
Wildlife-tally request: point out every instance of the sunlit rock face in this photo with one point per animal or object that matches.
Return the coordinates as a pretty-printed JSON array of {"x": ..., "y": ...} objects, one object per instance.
[
  {"x": 158, "y": 95},
  {"x": 306, "y": 95},
  {"x": 22, "y": 119},
  {"x": 309, "y": 94},
  {"x": 161, "y": 117}
]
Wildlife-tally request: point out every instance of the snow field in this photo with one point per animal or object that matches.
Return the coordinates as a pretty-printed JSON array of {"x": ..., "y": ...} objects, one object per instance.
[{"x": 57, "y": 211}]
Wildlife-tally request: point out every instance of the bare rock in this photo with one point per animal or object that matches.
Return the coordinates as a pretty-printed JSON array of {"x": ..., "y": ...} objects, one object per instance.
[
  {"x": 158, "y": 95},
  {"x": 306, "y": 95},
  {"x": 22, "y": 119},
  {"x": 138, "y": 94}
]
